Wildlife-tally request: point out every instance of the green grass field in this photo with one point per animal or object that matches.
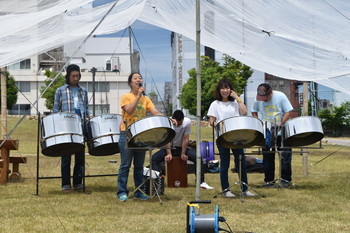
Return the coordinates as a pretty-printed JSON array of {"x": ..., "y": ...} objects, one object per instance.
[{"x": 319, "y": 201}]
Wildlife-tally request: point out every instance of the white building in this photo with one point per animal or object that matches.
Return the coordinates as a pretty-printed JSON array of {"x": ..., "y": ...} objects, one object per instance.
[{"x": 103, "y": 53}]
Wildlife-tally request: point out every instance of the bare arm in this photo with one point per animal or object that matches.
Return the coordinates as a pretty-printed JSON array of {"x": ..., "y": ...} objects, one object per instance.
[
  {"x": 130, "y": 108},
  {"x": 212, "y": 121},
  {"x": 241, "y": 105},
  {"x": 285, "y": 118},
  {"x": 185, "y": 140},
  {"x": 168, "y": 156},
  {"x": 155, "y": 112}
]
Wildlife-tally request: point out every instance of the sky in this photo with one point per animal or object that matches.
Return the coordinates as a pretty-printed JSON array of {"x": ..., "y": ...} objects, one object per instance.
[{"x": 153, "y": 44}]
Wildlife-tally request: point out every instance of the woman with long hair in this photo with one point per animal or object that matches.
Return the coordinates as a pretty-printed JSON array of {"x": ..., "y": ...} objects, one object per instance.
[{"x": 228, "y": 104}]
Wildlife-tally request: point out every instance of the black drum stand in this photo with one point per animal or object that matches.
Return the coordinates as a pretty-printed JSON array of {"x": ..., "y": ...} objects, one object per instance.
[
  {"x": 38, "y": 177},
  {"x": 152, "y": 183},
  {"x": 240, "y": 183}
]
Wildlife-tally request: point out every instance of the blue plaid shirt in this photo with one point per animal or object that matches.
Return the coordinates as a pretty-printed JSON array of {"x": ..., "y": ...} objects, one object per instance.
[{"x": 64, "y": 101}]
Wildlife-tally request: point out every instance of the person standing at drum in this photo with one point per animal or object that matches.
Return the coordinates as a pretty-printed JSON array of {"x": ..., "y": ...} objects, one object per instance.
[
  {"x": 182, "y": 126},
  {"x": 72, "y": 98},
  {"x": 274, "y": 107},
  {"x": 228, "y": 104},
  {"x": 134, "y": 106}
]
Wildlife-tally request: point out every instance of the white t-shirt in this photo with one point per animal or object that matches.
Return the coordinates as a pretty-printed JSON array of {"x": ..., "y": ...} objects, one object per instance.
[
  {"x": 183, "y": 129},
  {"x": 274, "y": 109},
  {"x": 222, "y": 110}
]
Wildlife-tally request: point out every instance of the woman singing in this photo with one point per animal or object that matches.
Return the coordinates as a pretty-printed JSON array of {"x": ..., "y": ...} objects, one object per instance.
[{"x": 134, "y": 106}]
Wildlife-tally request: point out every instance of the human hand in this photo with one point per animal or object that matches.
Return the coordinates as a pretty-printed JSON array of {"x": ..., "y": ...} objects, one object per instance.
[
  {"x": 184, "y": 157},
  {"x": 168, "y": 158}
]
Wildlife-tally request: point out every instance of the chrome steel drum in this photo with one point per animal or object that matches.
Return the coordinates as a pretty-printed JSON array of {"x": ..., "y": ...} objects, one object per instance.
[
  {"x": 240, "y": 132},
  {"x": 154, "y": 131},
  {"x": 103, "y": 134},
  {"x": 302, "y": 131},
  {"x": 61, "y": 134}
]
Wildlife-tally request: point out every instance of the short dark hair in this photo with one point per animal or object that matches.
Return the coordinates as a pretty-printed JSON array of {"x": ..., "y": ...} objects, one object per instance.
[
  {"x": 130, "y": 76},
  {"x": 178, "y": 115},
  {"x": 223, "y": 83}
]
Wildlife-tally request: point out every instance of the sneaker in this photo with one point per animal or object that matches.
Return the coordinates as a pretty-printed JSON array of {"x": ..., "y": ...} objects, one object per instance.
[
  {"x": 228, "y": 193},
  {"x": 123, "y": 197},
  {"x": 141, "y": 196},
  {"x": 248, "y": 194},
  {"x": 66, "y": 188},
  {"x": 205, "y": 186},
  {"x": 284, "y": 184},
  {"x": 79, "y": 187},
  {"x": 269, "y": 184}
]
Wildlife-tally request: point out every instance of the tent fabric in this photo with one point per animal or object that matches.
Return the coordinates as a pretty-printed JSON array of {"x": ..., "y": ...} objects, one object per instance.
[{"x": 301, "y": 40}]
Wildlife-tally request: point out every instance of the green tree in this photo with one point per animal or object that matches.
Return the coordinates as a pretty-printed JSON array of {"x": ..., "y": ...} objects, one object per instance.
[
  {"x": 336, "y": 119},
  {"x": 49, "y": 95},
  {"x": 11, "y": 89},
  {"x": 212, "y": 72}
]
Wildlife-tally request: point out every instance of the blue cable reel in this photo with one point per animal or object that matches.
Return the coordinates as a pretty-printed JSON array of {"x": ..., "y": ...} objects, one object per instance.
[{"x": 202, "y": 223}]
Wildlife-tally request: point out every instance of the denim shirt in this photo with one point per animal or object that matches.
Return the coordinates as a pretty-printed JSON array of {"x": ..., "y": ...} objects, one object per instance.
[{"x": 64, "y": 101}]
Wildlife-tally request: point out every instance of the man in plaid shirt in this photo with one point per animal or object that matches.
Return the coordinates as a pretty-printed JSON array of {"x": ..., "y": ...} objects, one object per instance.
[{"x": 72, "y": 98}]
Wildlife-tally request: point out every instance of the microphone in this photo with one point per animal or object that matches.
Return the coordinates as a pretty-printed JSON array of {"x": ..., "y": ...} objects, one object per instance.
[{"x": 140, "y": 85}]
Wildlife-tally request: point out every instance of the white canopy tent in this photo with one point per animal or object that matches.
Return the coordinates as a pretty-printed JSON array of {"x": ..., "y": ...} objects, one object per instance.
[{"x": 302, "y": 40}]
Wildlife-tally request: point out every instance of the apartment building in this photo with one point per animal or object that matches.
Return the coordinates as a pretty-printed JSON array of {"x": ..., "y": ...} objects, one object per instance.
[{"x": 109, "y": 55}]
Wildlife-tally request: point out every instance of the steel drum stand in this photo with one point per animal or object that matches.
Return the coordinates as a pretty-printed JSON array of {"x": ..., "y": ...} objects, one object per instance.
[
  {"x": 241, "y": 183},
  {"x": 150, "y": 177},
  {"x": 280, "y": 183}
]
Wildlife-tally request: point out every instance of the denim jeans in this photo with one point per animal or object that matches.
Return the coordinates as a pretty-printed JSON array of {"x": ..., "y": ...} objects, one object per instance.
[
  {"x": 77, "y": 172},
  {"x": 269, "y": 163},
  {"x": 127, "y": 155},
  {"x": 159, "y": 156},
  {"x": 225, "y": 164}
]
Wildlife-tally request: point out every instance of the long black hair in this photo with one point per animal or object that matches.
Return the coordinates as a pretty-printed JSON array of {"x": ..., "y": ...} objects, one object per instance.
[{"x": 222, "y": 84}]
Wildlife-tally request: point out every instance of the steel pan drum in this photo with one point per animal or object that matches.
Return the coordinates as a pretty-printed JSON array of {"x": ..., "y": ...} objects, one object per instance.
[
  {"x": 103, "y": 134},
  {"x": 154, "y": 131},
  {"x": 302, "y": 131},
  {"x": 61, "y": 134},
  {"x": 240, "y": 132}
]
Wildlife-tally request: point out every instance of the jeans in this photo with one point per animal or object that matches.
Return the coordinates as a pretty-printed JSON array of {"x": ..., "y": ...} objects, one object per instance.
[
  {"x": 77, "y": 172},
  {"x": 269, "y": 163},
  {"x": 159, "y": 156},
  {"x": 225, "y": 164},
  {"x": 127, "y": 155}
]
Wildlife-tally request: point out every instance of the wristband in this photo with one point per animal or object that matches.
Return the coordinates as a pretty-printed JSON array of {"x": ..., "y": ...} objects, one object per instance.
[{"x": 239, "y": 100}]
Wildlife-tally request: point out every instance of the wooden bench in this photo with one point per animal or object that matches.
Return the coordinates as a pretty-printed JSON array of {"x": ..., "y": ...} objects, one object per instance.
[
  {"x": 16, "y": 160},
  {"x": 9, "y": 144}
]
